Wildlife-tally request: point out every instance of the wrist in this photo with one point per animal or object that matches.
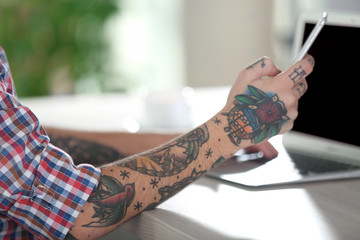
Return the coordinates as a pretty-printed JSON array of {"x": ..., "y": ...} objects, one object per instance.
[{"x": 223, "y": 136}]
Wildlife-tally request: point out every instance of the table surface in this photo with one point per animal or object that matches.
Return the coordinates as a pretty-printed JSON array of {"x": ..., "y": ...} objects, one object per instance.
[{"x": 210, "y": 208}]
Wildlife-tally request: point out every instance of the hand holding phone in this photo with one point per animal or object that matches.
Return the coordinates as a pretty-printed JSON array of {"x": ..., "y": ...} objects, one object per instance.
[{"x": 310, "y": 40}]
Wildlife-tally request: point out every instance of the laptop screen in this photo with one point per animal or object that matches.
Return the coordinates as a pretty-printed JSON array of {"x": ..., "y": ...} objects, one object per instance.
[{"x": 331, "y": 106}]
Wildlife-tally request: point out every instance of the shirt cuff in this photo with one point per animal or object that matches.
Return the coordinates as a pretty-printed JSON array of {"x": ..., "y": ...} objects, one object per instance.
[{"x": 57, "y": 194}]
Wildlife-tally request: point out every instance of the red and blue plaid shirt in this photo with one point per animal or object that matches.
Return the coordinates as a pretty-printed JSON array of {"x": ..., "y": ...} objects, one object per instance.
[{"x": 41, "y": 190}]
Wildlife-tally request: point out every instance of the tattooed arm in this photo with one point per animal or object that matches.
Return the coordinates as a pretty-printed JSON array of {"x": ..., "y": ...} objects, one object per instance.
[
  {"x": 257, "y": 109},
  {"x": 99, "y": 148}
]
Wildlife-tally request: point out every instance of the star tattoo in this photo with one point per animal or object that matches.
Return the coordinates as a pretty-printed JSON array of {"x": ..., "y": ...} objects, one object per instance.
[
  {"x": 208, "y": 153},
  {"x": 124, "y": 174},
  {"x": 138, "y": 205},
  {"x": 154, "y": 183},
  {"x": 217, "y": 121}
]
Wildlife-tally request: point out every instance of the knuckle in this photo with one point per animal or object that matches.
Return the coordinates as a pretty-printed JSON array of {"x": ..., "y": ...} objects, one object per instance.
[{"x": 292, "y": 101}]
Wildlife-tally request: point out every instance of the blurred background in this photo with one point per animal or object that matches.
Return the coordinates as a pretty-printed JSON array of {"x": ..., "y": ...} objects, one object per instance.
[{"x": 100, "y": 46}]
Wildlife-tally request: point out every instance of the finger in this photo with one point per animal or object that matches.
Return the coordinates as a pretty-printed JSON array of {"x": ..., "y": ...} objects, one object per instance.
[
  {"x": 261, "y": 68},
  {"x": 299, "y": 70},
  {"x": 300, "y": 87},
  {"x": 266, "y": 148}
]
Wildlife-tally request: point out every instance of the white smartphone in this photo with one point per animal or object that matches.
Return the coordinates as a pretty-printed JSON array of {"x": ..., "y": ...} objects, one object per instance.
[{"x": 310, "y": 40}]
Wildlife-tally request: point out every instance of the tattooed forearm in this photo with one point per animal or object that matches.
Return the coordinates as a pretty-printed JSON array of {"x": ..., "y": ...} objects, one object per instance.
[
  {"x": 111, "y": 200},
  {"x": 168, "y": 191},
  {"x": 83, "y": 151},
  {"x": 218, "y": 162},
  {"x": 171, "y": 159},
  {"x": 141, "y": 182},
  {"x": 255, "y": 116}
]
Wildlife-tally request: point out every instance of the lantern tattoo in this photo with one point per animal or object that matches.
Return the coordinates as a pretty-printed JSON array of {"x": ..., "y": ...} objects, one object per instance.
[{"x": 255, "y": 116}]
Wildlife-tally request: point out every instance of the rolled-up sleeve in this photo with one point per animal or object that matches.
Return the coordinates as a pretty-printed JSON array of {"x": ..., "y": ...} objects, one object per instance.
[{"x": 41, "y": 190}]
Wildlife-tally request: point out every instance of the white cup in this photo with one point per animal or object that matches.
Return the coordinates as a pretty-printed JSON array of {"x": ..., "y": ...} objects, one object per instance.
[{"x": 168, "y": 108}]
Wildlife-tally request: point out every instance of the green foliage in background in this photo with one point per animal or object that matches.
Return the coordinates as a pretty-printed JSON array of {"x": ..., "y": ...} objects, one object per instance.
[{"x": 49, "y": 41}]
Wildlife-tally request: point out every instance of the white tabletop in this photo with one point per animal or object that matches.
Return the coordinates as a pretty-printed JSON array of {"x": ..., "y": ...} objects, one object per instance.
[{"x": 210, "y": 209}]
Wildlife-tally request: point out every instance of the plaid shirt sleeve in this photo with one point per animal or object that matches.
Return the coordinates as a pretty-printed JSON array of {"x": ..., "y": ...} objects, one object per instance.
[{"x": 41, "y": 190}]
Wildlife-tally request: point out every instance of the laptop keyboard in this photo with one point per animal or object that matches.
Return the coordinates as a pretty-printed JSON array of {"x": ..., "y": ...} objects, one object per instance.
[{"x": 308, "y": 164}]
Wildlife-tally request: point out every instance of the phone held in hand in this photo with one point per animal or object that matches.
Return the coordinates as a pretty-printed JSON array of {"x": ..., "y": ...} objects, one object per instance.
[{"x": 310, "y": 40}]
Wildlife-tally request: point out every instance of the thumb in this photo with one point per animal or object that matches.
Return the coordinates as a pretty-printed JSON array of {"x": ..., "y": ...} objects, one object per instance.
[
  {"x": 264, "y": 67},
  {"x": 266, "y": 148}
]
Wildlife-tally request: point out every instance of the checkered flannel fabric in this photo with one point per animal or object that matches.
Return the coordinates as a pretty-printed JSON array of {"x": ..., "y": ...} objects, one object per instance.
[{"x": 41, "y": 190}]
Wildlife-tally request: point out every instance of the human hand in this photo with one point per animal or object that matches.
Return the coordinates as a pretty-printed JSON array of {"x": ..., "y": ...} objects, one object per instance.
[
  {"x": 263, "y": 101},
  {"x": 266, "y": 148}
]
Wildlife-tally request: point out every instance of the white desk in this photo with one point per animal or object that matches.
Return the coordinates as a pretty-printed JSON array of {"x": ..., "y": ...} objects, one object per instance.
[{"x": 211, "y": 209}]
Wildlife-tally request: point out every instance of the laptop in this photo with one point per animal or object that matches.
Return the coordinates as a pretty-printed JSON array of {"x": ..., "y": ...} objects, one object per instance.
[{"x": 325, "y": 141}]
